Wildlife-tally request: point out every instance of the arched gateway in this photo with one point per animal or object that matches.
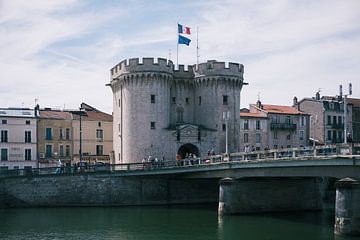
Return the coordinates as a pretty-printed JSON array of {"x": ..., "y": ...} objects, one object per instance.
[{"x": 187, "y": 149}]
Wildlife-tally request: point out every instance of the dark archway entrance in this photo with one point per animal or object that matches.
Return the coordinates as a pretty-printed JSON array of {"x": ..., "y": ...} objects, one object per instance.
[{"x": 186, "y": 149}]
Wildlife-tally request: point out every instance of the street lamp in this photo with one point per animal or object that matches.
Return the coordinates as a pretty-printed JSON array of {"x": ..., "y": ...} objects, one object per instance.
[
  {"x": 80, "y": 149},
  {"x": 226, "y": 117},
  {"x": 345, "y": 110}
]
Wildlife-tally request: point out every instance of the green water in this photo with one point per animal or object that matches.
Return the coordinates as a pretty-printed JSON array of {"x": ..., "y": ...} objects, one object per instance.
[{"x": 174, "y": 223}]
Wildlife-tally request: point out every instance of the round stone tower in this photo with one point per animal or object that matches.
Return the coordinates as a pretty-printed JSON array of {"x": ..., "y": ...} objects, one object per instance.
[
  {"x": 217, "y": 95},
  {"x": 141, "y": 95}
]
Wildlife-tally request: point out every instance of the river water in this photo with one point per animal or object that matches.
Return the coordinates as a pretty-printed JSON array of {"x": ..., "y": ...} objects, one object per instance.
[{"x": 165, "y": 222}]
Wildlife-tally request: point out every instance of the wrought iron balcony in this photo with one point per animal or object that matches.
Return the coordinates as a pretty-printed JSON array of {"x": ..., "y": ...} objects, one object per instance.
[{"x": 283, "y": 126}]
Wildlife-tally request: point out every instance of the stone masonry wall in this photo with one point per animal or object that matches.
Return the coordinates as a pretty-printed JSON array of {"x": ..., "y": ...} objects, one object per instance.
[{"x": 104, "y": 190}]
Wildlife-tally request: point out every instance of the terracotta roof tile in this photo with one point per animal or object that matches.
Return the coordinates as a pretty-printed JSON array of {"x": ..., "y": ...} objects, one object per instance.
[
  {"x": 55, "y": 114},
  {"x": 252, "y": 114},
  {"x": 281, "y": 109}
]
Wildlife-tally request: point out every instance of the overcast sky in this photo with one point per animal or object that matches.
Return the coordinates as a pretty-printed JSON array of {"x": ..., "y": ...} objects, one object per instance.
[{"x": 60, "y": 52}]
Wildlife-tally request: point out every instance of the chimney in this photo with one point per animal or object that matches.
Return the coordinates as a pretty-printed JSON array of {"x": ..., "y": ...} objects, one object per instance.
[
  {"x": 295, "y": 101},
  {"x": 317, "y": 95},
  {"x": 258, "y": 104}
]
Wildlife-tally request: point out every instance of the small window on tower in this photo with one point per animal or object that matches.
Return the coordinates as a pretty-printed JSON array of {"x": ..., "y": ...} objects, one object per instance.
[
  {"x": 224, "y": 127},
  {"x": 199, "y": 100},
  {"x": 152, "y": 98},
  {"x": 152, "y": 125},
  {"x": 187, "y": 100},
  {"x": 173, "y": 100},
  {"x": 225, "y": 99}
]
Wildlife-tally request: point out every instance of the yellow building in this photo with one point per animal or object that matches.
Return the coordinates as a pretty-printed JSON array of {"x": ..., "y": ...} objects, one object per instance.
[{"x": 97, "y": 135}]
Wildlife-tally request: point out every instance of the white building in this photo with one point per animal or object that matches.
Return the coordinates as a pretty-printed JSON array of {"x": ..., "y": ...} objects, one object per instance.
[{"x": 18, "y": 138}]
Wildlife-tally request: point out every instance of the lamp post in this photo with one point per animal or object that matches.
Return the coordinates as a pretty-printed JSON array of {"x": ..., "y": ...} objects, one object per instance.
[
  {"x": 226, "y": 117},
  {"x": 80, "y": 148},
  {"x": 345, "y": 110}
]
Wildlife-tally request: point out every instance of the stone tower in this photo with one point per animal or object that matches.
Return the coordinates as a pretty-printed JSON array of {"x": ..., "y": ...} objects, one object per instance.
[{"x": 160, "y": 112}]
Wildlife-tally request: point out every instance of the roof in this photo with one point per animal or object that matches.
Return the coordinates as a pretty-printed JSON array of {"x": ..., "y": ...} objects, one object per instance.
[
  {"x": 252, "y": 114},
  {"x": 353, "y": 101},
  {"x": 281, "y": 109},
  {"x": 17, "y": 112},
  {"x": 93, "y": 116},
  {"x": 55, "y": 114}
]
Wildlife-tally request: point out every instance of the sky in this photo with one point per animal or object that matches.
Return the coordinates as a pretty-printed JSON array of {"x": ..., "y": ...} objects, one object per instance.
[{"x": 59, "y": 53}]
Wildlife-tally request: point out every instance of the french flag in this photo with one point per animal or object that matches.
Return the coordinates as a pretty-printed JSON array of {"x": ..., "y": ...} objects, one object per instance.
[{"x": 183, "y": 30}]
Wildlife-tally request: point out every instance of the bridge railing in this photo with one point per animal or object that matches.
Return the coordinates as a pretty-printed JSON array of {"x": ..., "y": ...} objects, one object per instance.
[{"x": 319, "y": 152}]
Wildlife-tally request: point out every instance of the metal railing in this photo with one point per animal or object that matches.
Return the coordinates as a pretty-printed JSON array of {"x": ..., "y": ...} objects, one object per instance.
[{"x": 305, "y": 153}]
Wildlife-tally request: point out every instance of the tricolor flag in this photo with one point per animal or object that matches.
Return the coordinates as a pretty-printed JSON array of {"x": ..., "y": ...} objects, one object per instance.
[
  {"x": 184, "y": 40},
  {"x": 183, "y": 30}
]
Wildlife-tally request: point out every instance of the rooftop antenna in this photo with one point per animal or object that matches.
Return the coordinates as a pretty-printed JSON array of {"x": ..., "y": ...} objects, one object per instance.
[
  {"x": 258, "y": 96},
  {"x": 169, "y": 54}
]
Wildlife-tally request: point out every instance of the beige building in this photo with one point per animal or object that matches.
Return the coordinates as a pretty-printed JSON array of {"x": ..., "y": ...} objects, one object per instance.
[
  {"x": 273, "y": 126},
  {"x": 17, "y": 138},
  {"x": 54, "y": 131},
  {"x": 97, "y": 135}
]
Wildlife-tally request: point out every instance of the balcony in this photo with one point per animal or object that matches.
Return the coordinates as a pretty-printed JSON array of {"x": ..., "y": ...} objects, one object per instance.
[
  {"x": 336, "y": 126},
  {"x": 283, "y": 126}
]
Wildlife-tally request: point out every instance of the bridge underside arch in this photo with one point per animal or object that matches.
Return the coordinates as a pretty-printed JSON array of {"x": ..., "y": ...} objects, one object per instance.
[{"x": 186, "y": 149}]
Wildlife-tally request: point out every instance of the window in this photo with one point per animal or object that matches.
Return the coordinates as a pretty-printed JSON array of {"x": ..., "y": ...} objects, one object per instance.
[
  {"x": 61, "y": 134},
  {"x": 328, "y": 120},
  {"x": 275, "y": 135},
  {"x": 274, "y": 119},
  {"x": 48, "y": 134},
  {"x": 173, "y": 100},
  {"x": 258, "y": 138},
  {"x": 257, "y": 124},
  {"x": 246, "y": 137},
  {"x": 288, "y": 146},
  {"x": 246, "y": 124},
  {"x": 340, "y": 120},
  {"x": 27, "y": 122},
  {"x": 4, "y": 154},
  {"x": 275, "y": 146},
  {"x": 4, "y": 136},
  {"x": 225, "y": 99},
  {"x": 4, "y": 121},
  {"x": 180, "y": 114},
  {"x": 199, "y": 100},
  {"x": 301, "y": 135},
  {"x": 67, "y": 150},
  {"x": 334, "y": 119},
  {"x": 28, "y": 136},
  {"x": 67, "y": 134},
  {"x": 328, "y": 135},
  {"x": 61, "y": 150},
  {"x": 288, "y": 137},
  {"x": 99, "y": 124},
  {"x": 119, "y": 127},
  {"x": 99, "y": 134},
  {"x": 48, "y": 150},
  {"x": 288, "y": 119},
  {"x": 302, "y": 121},
  {"x": 334, "y": 135},
  {"x": 99, "y": 150},
  {"x": 152, "y": 125},
  {"x": 152, "y": 98},
  {"x": 224, "y": 127},
  {"x": 27, "y": 154},
  {"x": 187, "y": 101}
]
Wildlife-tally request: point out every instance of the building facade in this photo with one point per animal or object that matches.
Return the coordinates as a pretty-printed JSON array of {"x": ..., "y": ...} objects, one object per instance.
[
  {"x": 162, "y": 112},
  {"x": 266, "y": 126},
  {"x": 327, "y": 118},
  {"x": 18, "y": 138},
  {"x": 54, "y": 131},
  {"x": 96, "y": 135}
]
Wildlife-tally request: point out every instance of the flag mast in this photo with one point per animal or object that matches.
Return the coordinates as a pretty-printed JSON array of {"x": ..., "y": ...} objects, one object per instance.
[
  {"x": 177, "y": 46},
  {"x": 197, "y": 46}
]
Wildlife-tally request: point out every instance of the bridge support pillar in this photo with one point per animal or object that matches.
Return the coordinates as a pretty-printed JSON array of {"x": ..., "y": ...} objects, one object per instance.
[
  {"x": 251, "y": 195},
  {"x": 347, "y": 207}
]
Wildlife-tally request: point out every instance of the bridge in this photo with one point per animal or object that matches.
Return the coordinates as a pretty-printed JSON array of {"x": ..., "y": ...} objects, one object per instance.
[
  {"x": 244, "y": 182},
  {"x": 337, "y": 161}
]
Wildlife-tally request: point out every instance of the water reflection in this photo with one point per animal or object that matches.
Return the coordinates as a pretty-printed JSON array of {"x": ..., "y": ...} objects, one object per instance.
[{"x": 177, "y": 222}]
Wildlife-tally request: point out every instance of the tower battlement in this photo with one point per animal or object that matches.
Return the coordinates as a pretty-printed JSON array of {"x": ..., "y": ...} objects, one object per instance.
[
  {"x": 182, "y": 73},
  {"x": 133, "y": 65},
  {"x": 214, "y": 68}
]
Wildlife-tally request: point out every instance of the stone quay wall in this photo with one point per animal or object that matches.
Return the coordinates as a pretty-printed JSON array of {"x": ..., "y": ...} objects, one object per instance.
[{"x": 104, "y": 190}]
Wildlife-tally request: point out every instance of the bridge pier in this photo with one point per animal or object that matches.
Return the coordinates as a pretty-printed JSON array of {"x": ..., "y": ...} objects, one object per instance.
[
  {"x": 251, "y": 195},
  {"x": 347, "y": 207}
]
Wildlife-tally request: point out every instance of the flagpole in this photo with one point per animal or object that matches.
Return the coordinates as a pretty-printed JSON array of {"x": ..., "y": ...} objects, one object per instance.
[
  {"x": 197, "y": 46},
  {"x": 177, "y": 45}
]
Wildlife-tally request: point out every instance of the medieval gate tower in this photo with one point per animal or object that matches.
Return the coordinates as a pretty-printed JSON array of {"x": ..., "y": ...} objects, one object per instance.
[{"x": 159, "y": 111}]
